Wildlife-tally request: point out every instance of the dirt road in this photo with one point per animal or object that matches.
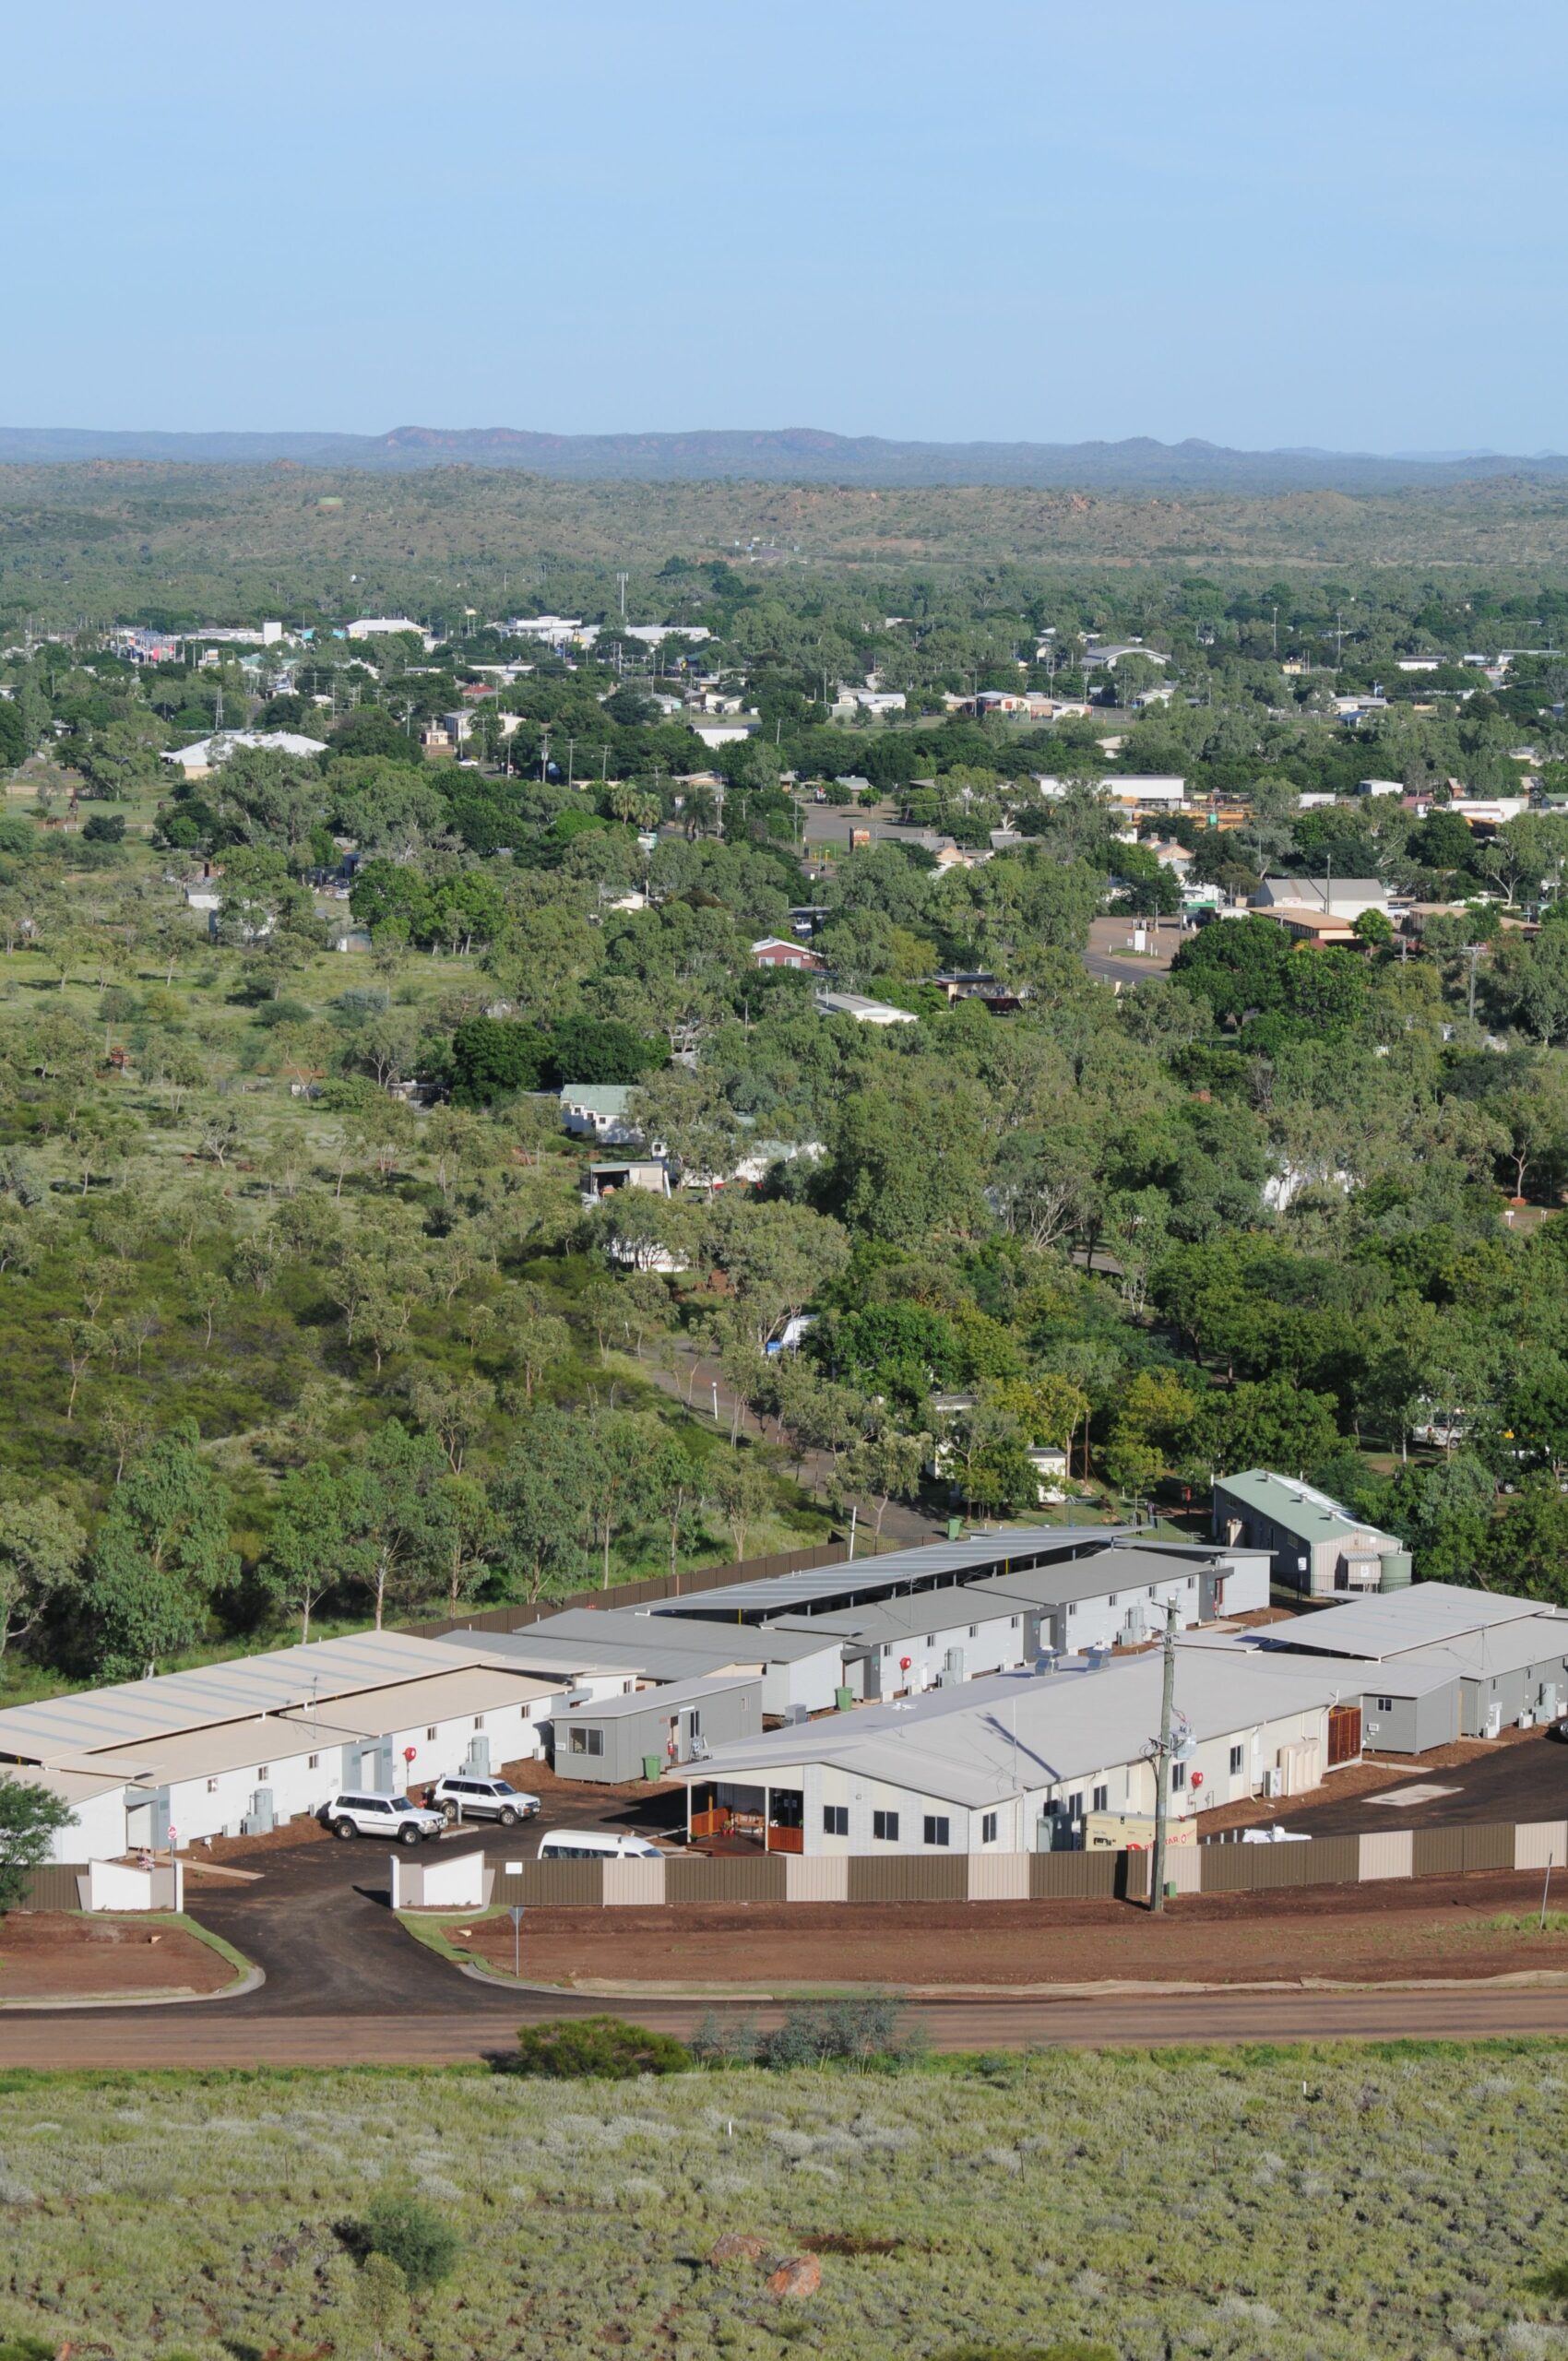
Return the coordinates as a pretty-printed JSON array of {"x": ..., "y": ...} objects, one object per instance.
[{"x": 217, "y": 2035}]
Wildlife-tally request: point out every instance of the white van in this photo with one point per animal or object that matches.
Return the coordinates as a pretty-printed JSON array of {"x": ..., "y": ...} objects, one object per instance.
[{"x": 595, "y": 1844}]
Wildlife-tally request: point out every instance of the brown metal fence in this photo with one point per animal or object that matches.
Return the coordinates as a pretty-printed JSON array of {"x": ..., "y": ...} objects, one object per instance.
[
  {"x": 910, "y": 1877},
  {"x": 562, "y": 1885},
  {"x": 1221, "y": 1867},
  {"x": 1062, "y": 1877},
  {"x": 52, "y": 1887},
  {"x": 1262, "y": 1868},
  {"x": 520, "y": 1613},
  {"x": 730, "y": 1877}
]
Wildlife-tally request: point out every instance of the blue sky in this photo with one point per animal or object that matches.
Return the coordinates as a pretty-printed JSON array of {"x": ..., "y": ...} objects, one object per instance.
[{"x": 1341, "y": 225}]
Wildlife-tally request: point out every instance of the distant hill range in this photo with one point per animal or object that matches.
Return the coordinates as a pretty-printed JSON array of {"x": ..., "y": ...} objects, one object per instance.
[{"x": 794, "y": 455}]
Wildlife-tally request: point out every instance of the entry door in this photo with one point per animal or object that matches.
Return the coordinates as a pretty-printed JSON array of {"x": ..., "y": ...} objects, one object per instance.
[
  {"x": 1344, "y": 1734},
  {"x": 871, "y": 1664}
]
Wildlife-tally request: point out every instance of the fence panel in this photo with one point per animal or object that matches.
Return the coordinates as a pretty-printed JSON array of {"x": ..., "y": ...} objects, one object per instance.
[
  {"x": 1263, "y": 1869},
  {"x": 999, "y": 1877},
  {"x": 52, "y": 1887},
  {"x": 1488, "y": 1847},
  {"x": 1068, "y": 1877},
  {"x": 551, "y": 1885},
  {"x": 1437, "y": 1852},
  {"x": 908, "y": 1876},
  {"x": 1540, "y": 1842},
  {"x": 635, "y": 1884},
  {"x": 824, "y": 1878},
  {"x": 1386, "y": 1854},
  {"x": 730, "y": 1877}
]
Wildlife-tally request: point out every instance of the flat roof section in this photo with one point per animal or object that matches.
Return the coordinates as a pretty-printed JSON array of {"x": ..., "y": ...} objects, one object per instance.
[
  {"x": 674, "y": 1693},
  {"x": 989, "y": 1739},
  {"x": 62, "y": 1728},
  {"x": 930, "y": 1565},
  {"x": 1392, "y": 1622}
]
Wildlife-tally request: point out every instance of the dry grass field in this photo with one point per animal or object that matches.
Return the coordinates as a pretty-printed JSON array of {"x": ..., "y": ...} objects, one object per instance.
[{"x": 1309, "y": 2206}]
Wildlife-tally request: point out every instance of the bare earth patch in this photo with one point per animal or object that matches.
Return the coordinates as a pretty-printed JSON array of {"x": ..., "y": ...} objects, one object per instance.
[
  {"x": 1436, "y": 1928},
  {"x": 48, "y": 1955}
]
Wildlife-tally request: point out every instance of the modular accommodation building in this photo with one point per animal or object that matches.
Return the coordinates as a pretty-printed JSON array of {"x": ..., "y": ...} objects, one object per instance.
[
  {"x": 800, "y": 1670},
  {"x": 1017, "y": 1762},
  {"x": 1318, "y": 1548},
  {"x": 1117, "y": 1598},
  {"x": 189, "y": 1755},
  {"x": 901, "y": 1647},
  {"x": 653, "y": 1730}
]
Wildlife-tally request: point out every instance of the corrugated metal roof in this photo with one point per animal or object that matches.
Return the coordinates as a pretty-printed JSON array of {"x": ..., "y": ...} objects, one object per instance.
[
  {"x": 1300, "y": 1508},
  {"x": 227, "y": 1746},
  {"x": 928, "y": 1565},
  {"x": 1104, "y": 1573},
  {"x": 446, "y": 1697},
  {"x": 668, "y": 1639},
  {"x": 62, "y": 1728},
  {"x": 1013, "y": 1733},
  {"x": 674, "y": 1694},
  {"x": 1391, "y": 1623}
]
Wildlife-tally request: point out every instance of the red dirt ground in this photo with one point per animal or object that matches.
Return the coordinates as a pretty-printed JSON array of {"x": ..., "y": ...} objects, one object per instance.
[
  {"x": 1437, "y": 1928},
  {"x": 47, "y": 1955}
]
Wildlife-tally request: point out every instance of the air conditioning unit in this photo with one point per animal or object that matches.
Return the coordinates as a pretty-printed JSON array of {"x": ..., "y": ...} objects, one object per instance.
[{"x": 1274, "y": 1781}]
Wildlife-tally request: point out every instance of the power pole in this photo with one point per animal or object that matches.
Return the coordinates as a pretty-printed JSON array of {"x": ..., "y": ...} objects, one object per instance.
[
  {"x": 1162, "y": 1765},
  {"x": 621, "y": 578}
]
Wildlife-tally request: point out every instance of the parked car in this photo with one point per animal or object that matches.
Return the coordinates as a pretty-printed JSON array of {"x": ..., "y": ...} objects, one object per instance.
[
  {"x": 595, "y": 1844},
  {"x": 471, "y": 1798},
  {"x": 393, "y": 1817}
]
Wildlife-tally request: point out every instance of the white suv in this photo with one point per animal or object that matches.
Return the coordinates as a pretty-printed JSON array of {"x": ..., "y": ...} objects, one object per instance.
[
  {"x": 394, "y": 1817},
  {"x": 466, "y": 1798}
]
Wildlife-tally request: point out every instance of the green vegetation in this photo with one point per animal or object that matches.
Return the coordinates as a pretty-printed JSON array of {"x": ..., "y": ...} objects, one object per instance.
[
  {"x": 1355, "y": 2204},
  {"x": 306, "y": 1318},
  {"x": 409, "y": 2234},
  {"x": 30, "y": 1819},
  {"x": 600, "y": 2049}
]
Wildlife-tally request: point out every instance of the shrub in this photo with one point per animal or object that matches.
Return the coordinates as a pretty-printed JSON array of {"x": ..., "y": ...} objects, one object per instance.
[
  {"x": 410, "y": 2234},
  {"x": 1074, "y": 2349},
  {"x": 865, "y": 2031},
  {"x": 604, "y": 2049},
  {"x": 725, "y": 2041},
  {"x": 105, "y": 828},
  {"x": 27, "y": 2348}
]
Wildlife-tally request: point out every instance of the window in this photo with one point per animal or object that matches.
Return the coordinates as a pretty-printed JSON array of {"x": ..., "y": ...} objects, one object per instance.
[
  {"x": 1235, "y": 1760},
  {"x": 1385, "y": 1704},
  {"x": 1178, "y": 1774},
  {"x": 987, "y": 1828},
  {"x": 479, "y": 1721},
  {"x": 836, "y": 1820},
  {"x": 936, "y": 1828},
  {"x": 1110, "y": 1602},
  {"x": 263, "y": 1770},
  {"x": 930, "y": 1639},
  {"x": 1015, "y": 1620},
  {"x": 1191, "y": 1582},
  {"x": 429, "y": 1737},
  {"x": 974, "y": 1631},
  {"x": 313, "y": 1763},
  {"x": 1153, "y": 1590},
  {"x": 212, "y": 1787},
  {"x": 1075, "y": 1806},
  {"x": 586, "y": 1742},
  {"x": 1100, "y": 1799},
  {"x": 696, "y": 1722},
  {"x": 884, "y": 1827}
]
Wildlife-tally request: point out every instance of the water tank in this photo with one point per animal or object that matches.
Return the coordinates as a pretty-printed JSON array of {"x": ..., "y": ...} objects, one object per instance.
[{"x": 1398, "y": 1571}]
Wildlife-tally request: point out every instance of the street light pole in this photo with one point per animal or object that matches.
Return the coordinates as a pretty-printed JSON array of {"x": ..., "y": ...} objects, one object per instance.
[{"x": 1162, "y": 1765}]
